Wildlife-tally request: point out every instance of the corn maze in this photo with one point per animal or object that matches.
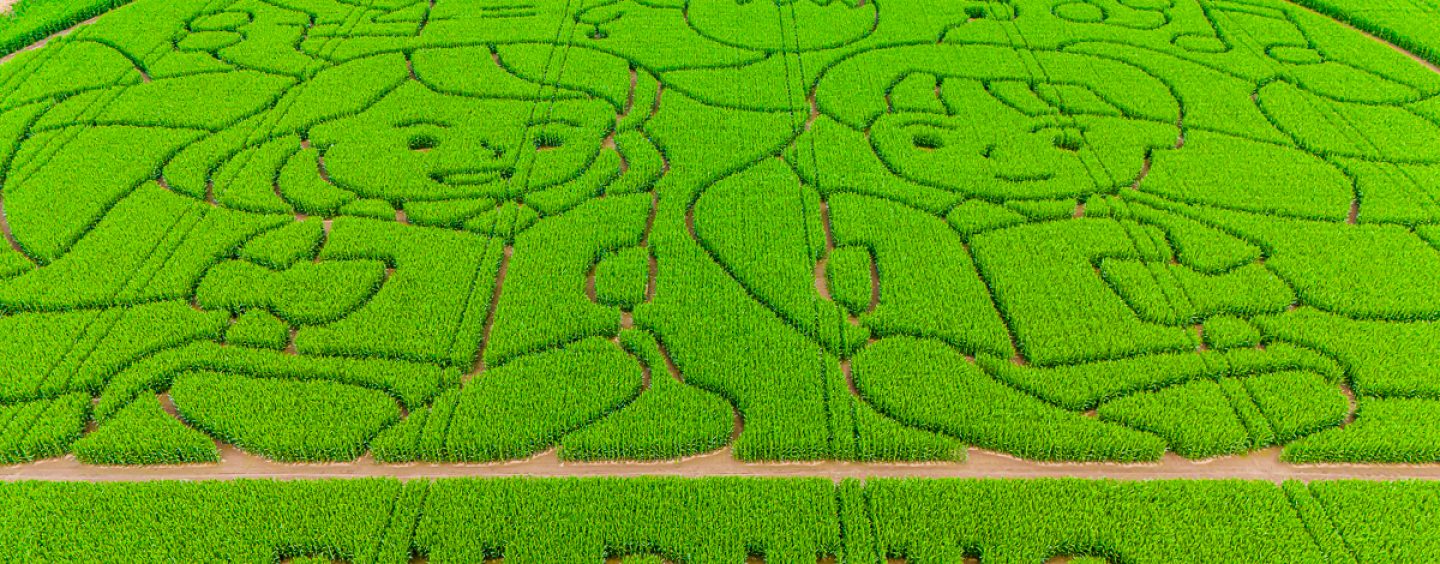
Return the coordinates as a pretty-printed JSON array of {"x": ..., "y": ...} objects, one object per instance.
[{"x": 377, "y": 234}]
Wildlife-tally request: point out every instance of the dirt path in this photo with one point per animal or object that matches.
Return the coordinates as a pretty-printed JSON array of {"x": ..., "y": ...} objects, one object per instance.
[{"x": 1262, "y": 465}]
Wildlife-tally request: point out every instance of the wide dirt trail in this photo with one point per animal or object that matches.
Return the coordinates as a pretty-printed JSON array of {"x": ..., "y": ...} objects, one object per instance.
[{"x": 234, "y": 464}]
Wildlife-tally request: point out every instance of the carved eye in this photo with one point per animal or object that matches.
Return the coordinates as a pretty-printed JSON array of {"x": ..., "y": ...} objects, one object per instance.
[
  {"x": 423, "y": 142},
  {"x": 547, "y": 140},
  {"x": 928, "y": 140}
]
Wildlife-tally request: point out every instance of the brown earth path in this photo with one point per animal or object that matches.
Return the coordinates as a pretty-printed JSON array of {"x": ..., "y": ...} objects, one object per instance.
[
  {"x": 42, "y": 42},
  {"x": 234, "y": 464}
]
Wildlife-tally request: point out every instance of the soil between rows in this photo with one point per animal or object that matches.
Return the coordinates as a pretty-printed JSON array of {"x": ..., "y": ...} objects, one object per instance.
[{"x": 234, "y": 464}]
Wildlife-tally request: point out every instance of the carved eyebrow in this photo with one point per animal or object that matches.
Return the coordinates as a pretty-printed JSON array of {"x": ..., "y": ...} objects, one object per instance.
[{"x": 556, "y": 121}]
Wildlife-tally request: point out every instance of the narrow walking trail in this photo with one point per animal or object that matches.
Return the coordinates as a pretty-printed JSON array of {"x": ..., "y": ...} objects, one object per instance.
[{"x": 1261, "y": 465}]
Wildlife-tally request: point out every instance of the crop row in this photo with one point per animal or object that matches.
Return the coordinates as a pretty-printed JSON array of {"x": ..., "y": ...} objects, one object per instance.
[{"x": 721, "y": 520}]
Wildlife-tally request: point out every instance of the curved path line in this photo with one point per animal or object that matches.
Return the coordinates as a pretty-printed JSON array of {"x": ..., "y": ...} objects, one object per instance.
[
  {"x": 1261, "y": 465},
  {"x": 10, "y": 235}
]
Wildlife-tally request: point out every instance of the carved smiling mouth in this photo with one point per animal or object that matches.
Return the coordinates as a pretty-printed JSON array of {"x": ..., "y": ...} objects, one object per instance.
[{"x": 472, "y": 177}]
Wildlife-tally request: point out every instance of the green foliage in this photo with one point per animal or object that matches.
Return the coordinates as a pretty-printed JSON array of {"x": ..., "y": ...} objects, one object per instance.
[
  {"x": 374, "y": 208},
  {"x": 647, "y": 519},
  {"x": 1134, "y": 521},
  {"x": 856, "y": 531},
  {"x": 303, "y": 186},
  {"x": 305, "y": 294},
  {"x": 397, "y": 543},
  {"x": 447, "y": 213},
  {"x": 1384, "y": 358},
  {"x": 417, "y": 144},
  {"x": 33, "y": 345},
  {"x": 284, "y": 420},
  {"x": 976, "y": 216},
  {"x": 763, "y": 226},
  {"x": 527, "y": 405},
  {"x": 577, "y": 520},
  {"x": 41, "y": 429},
  {"x": 1316, "y": 259},
  {"x": 1261, "y": 431},
  {"x": 47, "y": 217},
  {"x": 432, "y": 308},
  {"x": 1060, "y": 310},
  {"x": 243, "y": 520},
  {"x": 413, "y": 384},
  {"x": 143, "y": 433},
  {"x": 385, "y": 194},
  {"x": 1044, "y": 209},
  {"x": 879, "y": 438},
  {"x": 258, "y": 328},
  {"x": 929, "y": 385},
  {"x": 1383, "y": 521},
  {"x": 208, "y": 100},
  {"x": 1321, "y": 527},
  {"x": 848, "y": 275},
  {"x": 1297, "y": 403},
  {"x": 32, "y": 20},
  {"x": 1277, "y": 180},
  {"x": 1196, "y": 418},
  {"x": 1228, "y": 332},
  {"x": 1197, "y": 245},
  {"x": 1384, "y": 430},
  {"x": 247, "y": 182},
  {"x": 543, "y": 303},
  {"x": 420, "y": 436},
  {"x": 622, "y": 277},
  {"x": 46, "y": 354},
  {"x": 1177, "y": 294},
  {"x": 669, "y": 420},
  {"x": 643, "y": 163},
  {"x": 281, "y": 248},
  {"x": 926, "y": 283}
]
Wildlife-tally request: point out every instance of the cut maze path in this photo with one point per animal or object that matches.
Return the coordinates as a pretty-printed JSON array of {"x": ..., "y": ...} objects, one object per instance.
[{"x": 1264, "y": 465}]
